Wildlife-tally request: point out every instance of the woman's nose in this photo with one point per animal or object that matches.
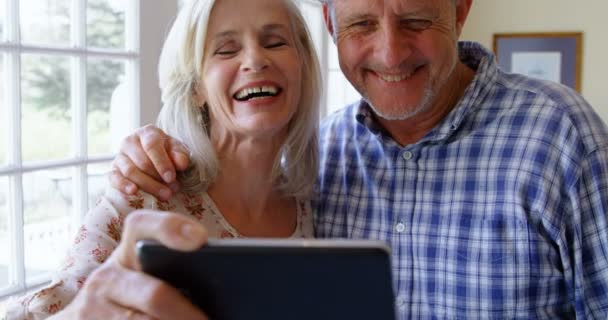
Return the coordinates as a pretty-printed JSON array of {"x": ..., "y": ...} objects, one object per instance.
[{"x": 255, "y": 60}]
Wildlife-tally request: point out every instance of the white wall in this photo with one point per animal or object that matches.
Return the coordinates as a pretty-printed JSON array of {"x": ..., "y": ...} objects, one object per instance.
[{"x": 588, "y": 16}]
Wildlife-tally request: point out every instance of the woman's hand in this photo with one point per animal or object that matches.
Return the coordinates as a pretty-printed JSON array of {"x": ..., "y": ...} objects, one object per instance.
[{"x": 120, "y": 290}]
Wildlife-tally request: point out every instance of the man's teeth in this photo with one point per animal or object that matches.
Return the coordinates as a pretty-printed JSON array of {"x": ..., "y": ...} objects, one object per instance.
[
  {"x": 248, "y": 92},
  {"x": 394, "y": 78}
]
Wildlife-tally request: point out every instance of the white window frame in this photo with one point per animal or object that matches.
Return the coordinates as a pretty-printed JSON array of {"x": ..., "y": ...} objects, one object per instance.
[
  {"x": 344, "y": 91},
  {"x": 146, "y": 23},
  {"x": 322, "y": 47}
]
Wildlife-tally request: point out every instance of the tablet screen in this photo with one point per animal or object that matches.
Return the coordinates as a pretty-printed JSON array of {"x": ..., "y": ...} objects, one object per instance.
[{"x": 238, "y": 279}]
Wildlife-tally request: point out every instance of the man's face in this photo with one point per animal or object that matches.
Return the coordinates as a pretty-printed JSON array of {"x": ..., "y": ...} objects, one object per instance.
[{"x": 398, "y": 54}]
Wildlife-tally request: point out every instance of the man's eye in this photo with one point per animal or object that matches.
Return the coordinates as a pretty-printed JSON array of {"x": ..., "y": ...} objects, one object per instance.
[
  {"x": 362, "y": 23},
  {"x": 417, "y": 24}
]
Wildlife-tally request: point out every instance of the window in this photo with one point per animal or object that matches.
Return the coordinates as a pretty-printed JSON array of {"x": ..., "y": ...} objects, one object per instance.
[
  {"x": 73, "y": 75},
  {"x": 76, "y": 76},
  {"x": 338, "y": 92}
]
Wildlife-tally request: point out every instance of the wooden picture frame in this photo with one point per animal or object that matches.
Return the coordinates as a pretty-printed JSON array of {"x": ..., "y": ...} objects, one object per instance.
[{"x": 555, "y": 56}]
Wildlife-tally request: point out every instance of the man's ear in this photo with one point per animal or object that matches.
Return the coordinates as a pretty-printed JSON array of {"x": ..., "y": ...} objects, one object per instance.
[
  {"x": 462, "y": 12},
  {"x": 328, "y": 21}
]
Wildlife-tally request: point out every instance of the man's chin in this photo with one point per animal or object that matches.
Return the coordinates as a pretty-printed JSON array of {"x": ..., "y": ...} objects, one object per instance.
[{"x": 402, "y": 111}]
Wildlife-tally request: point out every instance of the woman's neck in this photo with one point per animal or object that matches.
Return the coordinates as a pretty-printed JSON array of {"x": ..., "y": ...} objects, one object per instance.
[{"x": 244, "y": 191}]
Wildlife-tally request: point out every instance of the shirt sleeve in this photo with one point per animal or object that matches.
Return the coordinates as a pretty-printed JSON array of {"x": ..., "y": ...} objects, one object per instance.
[
  {"x": 584, "y": 238},
  {"x": 94, "y": 242}
]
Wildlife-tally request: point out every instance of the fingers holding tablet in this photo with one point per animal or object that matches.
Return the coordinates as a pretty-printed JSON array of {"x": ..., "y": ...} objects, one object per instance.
[
  {"x": 173, "y": 230},
  {"x": 115, "y": 292},
  {"x": 118, "y": 289}
]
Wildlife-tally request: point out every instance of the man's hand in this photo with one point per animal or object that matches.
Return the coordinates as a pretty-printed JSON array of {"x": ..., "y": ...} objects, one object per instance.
[
  {"x": 120, "y": 290},
  {"x": 148, "y": 160}
]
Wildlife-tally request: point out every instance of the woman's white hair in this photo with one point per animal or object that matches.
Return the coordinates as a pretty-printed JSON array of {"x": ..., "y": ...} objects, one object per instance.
[{"x": 181, "y": 64}]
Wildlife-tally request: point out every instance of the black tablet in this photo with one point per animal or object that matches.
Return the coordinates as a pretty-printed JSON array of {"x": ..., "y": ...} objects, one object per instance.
[{"x": 245, "y": 279}]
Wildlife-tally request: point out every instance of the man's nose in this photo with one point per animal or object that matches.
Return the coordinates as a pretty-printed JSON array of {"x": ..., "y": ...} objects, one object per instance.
[
  {"x": 255, "y": 60},
  {"x": 393, "y": 47}
]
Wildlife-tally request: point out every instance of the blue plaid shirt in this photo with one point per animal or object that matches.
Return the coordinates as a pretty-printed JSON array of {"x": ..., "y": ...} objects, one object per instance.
[{"x": 500, "y": 212}]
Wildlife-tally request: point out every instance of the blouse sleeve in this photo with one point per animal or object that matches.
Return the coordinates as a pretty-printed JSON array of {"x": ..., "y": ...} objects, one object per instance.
[{"x": 94, "y": 242}]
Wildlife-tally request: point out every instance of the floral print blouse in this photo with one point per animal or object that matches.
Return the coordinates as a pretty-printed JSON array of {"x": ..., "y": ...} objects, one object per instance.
[{"x": 100, "y": 235}]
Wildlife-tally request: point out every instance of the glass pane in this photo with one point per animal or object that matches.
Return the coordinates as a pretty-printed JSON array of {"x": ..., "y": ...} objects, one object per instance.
[
  {"x": 97, "y": 181},
  {"x": 4, "y": 235},
  {"x": 332, "y": 52},
  {"x": 314, "y": 19},
  {"x": 2, "y": 19},
  {"x": 107, "y": 100},
  {"x": 4, "y": 112},
  {"x": 106, "y": 23},
  {"x": 45, "y": 22},
  {"x": 46, "y": 114},
  {"x": 47, "y": 224},
  {"x": 336, "y": 97}
]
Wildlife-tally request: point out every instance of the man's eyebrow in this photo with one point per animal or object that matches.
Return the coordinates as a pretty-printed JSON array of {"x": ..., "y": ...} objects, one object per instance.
[{"x": 356, "y": 17}]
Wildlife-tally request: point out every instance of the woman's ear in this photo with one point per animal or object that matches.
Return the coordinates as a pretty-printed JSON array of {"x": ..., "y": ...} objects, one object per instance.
[{"x": 198, "y": 97}]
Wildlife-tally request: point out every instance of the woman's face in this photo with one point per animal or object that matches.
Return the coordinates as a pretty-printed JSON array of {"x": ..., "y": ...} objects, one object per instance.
[{"x": 251, "y": 67}]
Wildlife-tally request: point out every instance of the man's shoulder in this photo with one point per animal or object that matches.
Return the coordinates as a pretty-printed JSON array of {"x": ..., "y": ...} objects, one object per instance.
[{"x": 552, "y": 102}]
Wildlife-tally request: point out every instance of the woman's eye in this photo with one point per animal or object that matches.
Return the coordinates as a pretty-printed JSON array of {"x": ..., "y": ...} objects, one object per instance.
[
  {"x": 417, "y": 24},
  {"x": 226, "y": 51},
  {"x": 275, "y": 45}
]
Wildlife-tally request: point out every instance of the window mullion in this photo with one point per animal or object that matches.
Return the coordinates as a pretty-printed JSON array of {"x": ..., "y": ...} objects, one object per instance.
[
  {"x": 324, "y": 61},
  {"x": 79, "y": 111},
  {"x": 133, "y": 67},
  {"x": 15, "y": 201}
]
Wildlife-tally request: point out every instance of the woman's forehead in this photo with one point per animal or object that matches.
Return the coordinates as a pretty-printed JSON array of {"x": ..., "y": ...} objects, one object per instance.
[{"x": 232, "y": 17}]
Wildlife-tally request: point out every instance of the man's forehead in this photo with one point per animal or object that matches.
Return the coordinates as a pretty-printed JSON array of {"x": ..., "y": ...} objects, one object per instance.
[{"x": 395, "y": 5}]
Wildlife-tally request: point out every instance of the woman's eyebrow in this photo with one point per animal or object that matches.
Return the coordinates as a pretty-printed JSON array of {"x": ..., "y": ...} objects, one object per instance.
[
  {"x": 274, "y": 27},
  {"x": 224, "y": 34}
]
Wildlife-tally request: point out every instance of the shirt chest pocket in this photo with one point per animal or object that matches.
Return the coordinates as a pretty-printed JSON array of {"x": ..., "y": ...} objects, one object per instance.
[{"x": 491, "y": 241}]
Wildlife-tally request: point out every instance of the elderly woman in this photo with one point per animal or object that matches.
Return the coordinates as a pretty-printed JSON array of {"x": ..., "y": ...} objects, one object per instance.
[{"x": 240, "y": 82}]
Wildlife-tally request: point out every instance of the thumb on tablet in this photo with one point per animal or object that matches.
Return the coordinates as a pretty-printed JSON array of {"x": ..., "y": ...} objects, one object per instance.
[{"x": 173, "y": 230}]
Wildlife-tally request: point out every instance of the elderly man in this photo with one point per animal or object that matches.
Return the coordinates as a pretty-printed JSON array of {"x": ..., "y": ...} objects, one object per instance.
[{"x": 490, "y": 187}]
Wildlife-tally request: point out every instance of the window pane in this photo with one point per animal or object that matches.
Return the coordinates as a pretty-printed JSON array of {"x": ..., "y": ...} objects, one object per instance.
[
  {"x": 46, "y": 114},
  {"x": 2, "y": 19},
  {"x": 97, "y": 181},
  {"x": 106, "y": 23},
  {"x": 314, "y": 19},
  {"x": 335, "y": 91},
  {"x": 45, "y": 22},
  {"x": 47, "y": 225},
  {"x": 4, "y": 118},
  {"x": 107, "y": 100},
  {"x": 4, "y": 235},
  {"x": 332, "y": 52}
]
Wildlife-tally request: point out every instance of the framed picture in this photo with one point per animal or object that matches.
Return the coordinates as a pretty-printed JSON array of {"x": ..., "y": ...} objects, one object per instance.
[{"x": 550, "y": 56}]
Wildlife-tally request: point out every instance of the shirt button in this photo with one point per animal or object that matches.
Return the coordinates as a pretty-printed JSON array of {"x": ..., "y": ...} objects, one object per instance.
[
  {"x": 400, "y": 301},
  {"x": 408, "y": 155},
  {"x": 400, "y": 227}
]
